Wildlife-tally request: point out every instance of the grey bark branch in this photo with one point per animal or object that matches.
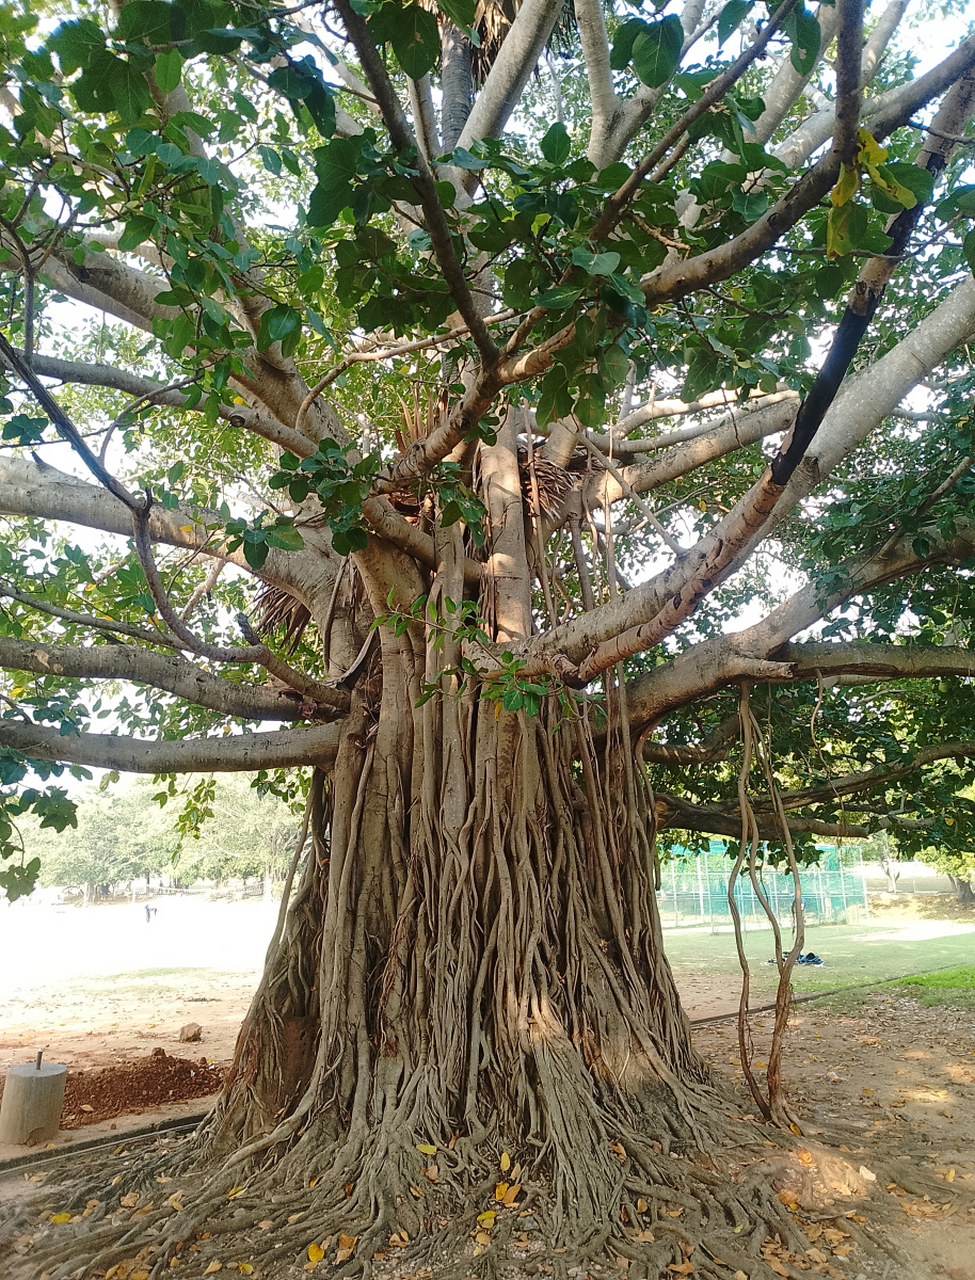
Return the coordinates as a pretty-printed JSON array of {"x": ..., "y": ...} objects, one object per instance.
[
  {"x": 159, "y": 671},
  {"x": 520, "y": 51},
  {"x": 243, "y": 753}
]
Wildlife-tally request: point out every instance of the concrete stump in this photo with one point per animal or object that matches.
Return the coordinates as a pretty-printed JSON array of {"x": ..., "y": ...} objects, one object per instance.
[{"x": 30, "y": 1112}]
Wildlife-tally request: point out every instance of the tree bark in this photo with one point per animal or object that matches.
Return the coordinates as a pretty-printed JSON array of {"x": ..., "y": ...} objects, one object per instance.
[{"x": 472, "y": 963}]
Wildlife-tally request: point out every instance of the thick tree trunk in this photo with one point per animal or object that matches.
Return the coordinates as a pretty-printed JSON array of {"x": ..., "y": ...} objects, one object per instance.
[
  {"x": 963, "y": 890},
  {"x": 471, "y": 962}
]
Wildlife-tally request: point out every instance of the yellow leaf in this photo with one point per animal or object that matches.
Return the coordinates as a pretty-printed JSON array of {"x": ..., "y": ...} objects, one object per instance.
[
  {"x": 505, "y": 1162},
  {"x": 213, "y": 1267},
  {"x": 949, "y": 822},
  {"x": 482, "y": 1237},
  {"x": 234, "y": 1191},
  {"x": 950, "y": 1176},
  {"x": 417, "y": 1192},
  {"x": 641, "y": 1205},
  {"x": 500, "y": 1191},
  {"x": 511, "y": 1195},
  {"x": 871, "y": 152},
  {"x": 847, "y": 186},
  {"x": 314, "y": 1182},
  {"x": 61, "y": 1217},
  {"x": 245, "y": 1268},
  {"x": 315, "y": 1253},
  {"x": 186, "y": 528},
  {"x": 426, "y": 1148},
  {"x": 486, "y": 1219},
  {"x": 175, "y": 1201}
]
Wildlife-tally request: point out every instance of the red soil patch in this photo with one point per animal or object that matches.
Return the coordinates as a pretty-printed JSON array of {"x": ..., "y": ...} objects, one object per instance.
[{"x": 132, "y": 1087}]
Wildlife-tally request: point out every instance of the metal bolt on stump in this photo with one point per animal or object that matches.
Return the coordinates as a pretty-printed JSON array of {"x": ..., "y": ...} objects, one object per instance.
[{"x": 33, "y": 1095}]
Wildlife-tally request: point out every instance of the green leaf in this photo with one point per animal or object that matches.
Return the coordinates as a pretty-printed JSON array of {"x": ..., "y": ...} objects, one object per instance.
[
  {"x": 137, "y": 231},
  {"x": 75, "y": 43},
  {"x": 656, "y": 51},
  {"x": 730, "y": 18},
  {"x": 291, "y": 83},
  {"x": 149, "y": 20},
  {"x": 563, "y": 295},
  {"x": 750, "y": 204},
  {"x": 596, "y": 264},
  {"x": 255, "y": 553},
  {"x": 461, "y": 12},
  {"x": 270, "y": 159},
  {"x": 277, "y": 324},
  {"x": 556, "y": 145},
  {"x": 416, "y": 41},
  {"x": 968, "y": 249},
  {"x": 613, "y": 364},
  {"x": 626, "y": 34},
  {"x": 169, "y": 68},
  {"x": 128, "y": 90},
  {"x": 465, "y": 159},
  {"x": 286, "y": 537},
  {"x": 806, "y": 36}
]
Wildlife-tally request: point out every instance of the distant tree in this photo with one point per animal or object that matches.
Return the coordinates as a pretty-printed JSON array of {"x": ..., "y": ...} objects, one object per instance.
[{"x": 216, "y": 829}]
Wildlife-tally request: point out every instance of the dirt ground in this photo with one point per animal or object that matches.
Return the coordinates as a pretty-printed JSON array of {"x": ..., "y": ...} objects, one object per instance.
[
  {"x": 897, "y": 1081},
  {"x": 889, "y": 1081}
]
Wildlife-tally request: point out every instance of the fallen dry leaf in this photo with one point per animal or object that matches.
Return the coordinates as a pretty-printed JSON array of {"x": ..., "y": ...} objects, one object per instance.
[
  {"x": 60, "y": 1217},
  {"x": 129, "y": 1201},
  {"x": 214, "y": 1266}
]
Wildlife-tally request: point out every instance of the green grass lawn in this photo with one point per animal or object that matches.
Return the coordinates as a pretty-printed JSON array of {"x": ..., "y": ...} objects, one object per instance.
[{"x": 863, "y": 952}]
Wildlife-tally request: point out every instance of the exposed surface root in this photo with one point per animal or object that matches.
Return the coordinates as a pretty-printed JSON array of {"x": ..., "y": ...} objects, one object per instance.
[{"x": 764, "y": 1207}]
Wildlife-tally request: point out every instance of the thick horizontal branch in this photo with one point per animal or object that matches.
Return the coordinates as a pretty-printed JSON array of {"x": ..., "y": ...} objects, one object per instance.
[
  {"x": 238, "y": 753},
  {"x": 745, "y": 655},
  {"x": 163, "y": 671},
  {"x": 879, "y": 661},
  {"x": 81, "y": 373},
  {"x": 737, "y": 429},
  {"x": 32, "y": 489},
  {"x": 674, "y": 811}
]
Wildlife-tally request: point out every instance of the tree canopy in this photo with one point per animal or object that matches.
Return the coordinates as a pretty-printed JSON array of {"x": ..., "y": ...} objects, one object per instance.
[
  {"x": 558, "y": 420},
  {"x": 295, "y": 312}
]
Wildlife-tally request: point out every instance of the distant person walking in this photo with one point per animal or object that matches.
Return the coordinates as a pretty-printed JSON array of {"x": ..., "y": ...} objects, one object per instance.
[{"x": 148, "y": 913}]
